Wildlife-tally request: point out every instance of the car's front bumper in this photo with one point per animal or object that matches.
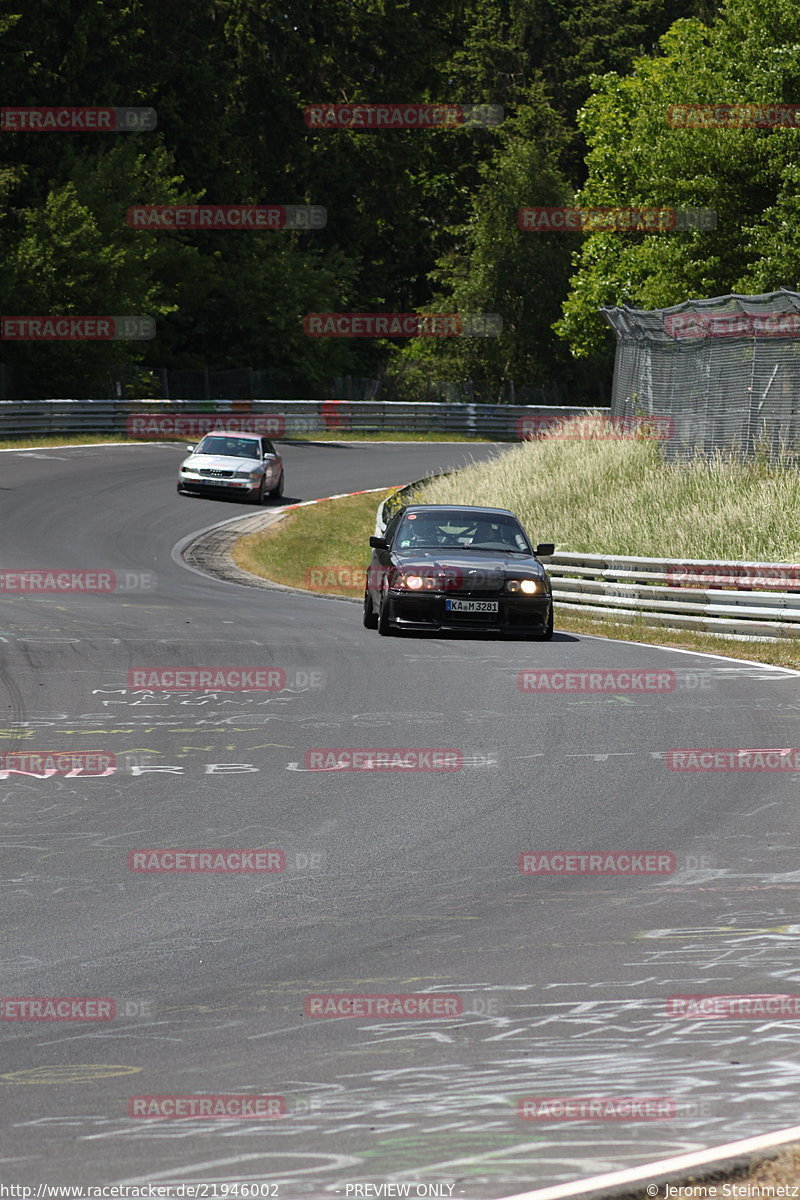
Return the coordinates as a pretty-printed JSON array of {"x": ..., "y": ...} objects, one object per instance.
[
  {"x": 515, "y": 613},
  {"x": 215, "y": 486}
]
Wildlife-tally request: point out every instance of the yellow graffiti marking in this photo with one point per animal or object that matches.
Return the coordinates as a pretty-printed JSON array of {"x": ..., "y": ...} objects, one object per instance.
[{"x": 76, "y": 1073}]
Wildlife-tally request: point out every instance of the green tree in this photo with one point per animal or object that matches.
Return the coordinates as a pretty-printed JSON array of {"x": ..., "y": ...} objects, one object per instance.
[{"x": 747, "y": 175}]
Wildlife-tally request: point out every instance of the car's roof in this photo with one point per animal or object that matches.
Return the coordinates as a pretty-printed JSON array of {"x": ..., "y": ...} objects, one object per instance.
[
  {"x": 466, "y": 508},
  {"x": 233, "y": 433}
]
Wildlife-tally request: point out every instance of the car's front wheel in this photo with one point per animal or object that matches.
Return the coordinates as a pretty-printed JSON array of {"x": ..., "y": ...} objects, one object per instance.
[
  {"x": 547, "y": 632},
  {"x": 257, "y": 495},
  {"x": 277, "y": 491},
  {"x": 384, "y": 627},
  {"x": 370, "y": 620}
]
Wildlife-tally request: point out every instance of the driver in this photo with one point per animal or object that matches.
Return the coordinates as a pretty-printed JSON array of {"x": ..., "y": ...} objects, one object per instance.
[
  {"x": 485, "y": 531},
  {"x": 423, "y": 533}
]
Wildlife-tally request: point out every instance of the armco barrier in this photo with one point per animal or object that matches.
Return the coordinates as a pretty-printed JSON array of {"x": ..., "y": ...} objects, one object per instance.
[
  {"x": 754, "y": 601},
  {"x": 731, "y": 599},
  {"x": 503, "y": 421}
]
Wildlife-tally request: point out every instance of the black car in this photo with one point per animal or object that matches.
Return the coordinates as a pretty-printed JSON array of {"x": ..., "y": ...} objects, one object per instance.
[{"x": 440, "y": 566}]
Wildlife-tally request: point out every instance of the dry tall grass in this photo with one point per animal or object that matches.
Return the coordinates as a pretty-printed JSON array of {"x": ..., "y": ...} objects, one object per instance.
[{"x": 589, "y": 486}]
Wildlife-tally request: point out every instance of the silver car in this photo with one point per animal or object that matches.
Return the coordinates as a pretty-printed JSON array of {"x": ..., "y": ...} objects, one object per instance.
[{"x": 227, "y": 464}]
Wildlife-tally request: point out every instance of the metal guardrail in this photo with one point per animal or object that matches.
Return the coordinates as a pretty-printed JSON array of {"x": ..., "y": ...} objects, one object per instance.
[
  {"x": 754, "y": 601},
  {"x": 735, "y": 599},
  {"x": 278, "y": 417}
]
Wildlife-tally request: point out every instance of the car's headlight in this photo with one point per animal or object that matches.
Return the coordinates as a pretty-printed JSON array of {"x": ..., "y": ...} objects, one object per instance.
[
  {"x": 249, "y": 473},
  {"x": 529, "y": 587},
  {"x": 416, "y": 583}
]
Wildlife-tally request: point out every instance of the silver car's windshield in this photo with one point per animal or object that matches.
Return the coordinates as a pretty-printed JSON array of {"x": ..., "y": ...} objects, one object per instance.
[{"x": 229, "y": 447}]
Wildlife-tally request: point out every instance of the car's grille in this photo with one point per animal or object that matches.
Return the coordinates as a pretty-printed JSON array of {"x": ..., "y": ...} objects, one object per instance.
[
  {"x": 215, "y": 473},
  {"x": 479, "y": 588}
]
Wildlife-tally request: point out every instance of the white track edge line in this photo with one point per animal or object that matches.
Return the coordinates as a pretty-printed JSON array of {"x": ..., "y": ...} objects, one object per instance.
[
  {"x": 79, "y": 446},
  {"x": 748, "y": 662},
  {"x": 678, "y": 1163}
]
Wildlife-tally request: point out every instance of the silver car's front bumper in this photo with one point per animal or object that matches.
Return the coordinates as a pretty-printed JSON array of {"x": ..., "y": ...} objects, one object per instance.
[{"x": 193, "y": 482}]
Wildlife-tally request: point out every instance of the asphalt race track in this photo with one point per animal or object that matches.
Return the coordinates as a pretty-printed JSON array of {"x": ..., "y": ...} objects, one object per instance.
[{"x": 395, "y": 882}]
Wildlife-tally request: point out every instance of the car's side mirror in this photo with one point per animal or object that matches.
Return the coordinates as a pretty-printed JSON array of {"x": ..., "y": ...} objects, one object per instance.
[
  {"x": 378, "y": 543},
  {"x": 546, "y": 549},
  {"x": 190, "y": 449}
]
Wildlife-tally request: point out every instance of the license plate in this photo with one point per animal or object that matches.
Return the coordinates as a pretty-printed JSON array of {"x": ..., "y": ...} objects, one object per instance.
[{"x": 472, "y": 606}]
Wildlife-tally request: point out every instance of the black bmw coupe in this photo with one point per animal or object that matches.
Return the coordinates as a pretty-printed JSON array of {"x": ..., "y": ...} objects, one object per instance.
[{"x": 441, "y": 567}]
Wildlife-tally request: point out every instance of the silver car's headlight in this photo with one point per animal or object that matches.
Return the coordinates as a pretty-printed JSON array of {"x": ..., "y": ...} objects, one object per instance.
[{"x": 250, "y": 473}]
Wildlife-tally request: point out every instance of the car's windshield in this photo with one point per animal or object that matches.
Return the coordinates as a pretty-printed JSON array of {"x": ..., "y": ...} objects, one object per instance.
[
  {"x": 229, "y": 447},
  {"x": 461, "y": 531}
]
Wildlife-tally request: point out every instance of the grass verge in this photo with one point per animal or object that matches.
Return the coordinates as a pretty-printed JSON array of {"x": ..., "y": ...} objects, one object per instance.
[
  {"x": 61, "y": 439},
  {"x": 325, "y": 549},
  {"x": 590, "y": 488}
]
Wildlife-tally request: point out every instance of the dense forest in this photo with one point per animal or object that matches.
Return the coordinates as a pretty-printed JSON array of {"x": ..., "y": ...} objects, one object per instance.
[{"x": 418, "y": 220}]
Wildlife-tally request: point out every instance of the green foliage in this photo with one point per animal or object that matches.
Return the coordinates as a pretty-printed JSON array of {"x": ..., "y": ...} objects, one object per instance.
[
  {"x": 416, "y": 220},
  {"x": 751, "y": 53}
]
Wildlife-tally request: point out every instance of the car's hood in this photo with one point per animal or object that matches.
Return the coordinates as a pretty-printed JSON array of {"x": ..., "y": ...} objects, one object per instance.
[
  {"x": 220, "y": 462},
  {"x": 481, "y": 562}
]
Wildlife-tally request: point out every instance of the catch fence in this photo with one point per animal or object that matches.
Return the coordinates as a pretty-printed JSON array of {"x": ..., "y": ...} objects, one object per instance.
[{"x": 725, "y": 372}]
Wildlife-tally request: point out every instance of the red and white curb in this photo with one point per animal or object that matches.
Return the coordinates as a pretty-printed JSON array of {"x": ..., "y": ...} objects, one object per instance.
[
  {"x": 713, "y": 1158},
  {"x": 254, "y": 523},
  {"x": 339, "y": 496}
]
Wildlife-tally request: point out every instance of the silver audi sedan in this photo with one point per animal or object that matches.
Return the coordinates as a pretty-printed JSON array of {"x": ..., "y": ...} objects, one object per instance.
[{"x": 227, "y": 464}]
